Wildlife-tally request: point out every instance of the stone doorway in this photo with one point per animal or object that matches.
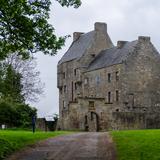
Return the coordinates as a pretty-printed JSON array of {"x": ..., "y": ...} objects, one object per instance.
[{"x": 92, "y": 122}]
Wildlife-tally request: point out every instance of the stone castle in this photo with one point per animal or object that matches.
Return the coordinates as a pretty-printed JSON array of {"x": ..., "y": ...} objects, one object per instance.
[{"x": 106, "y": 87}]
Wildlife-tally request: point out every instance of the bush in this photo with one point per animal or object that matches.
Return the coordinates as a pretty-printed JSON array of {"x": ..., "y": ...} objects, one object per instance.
[{"x": 16, "y": 115}]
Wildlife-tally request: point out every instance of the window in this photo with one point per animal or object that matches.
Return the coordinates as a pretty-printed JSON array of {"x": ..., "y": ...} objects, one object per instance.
[
  {"x": 97, "y": 80},
  {"x": 75, "y": 86},
  {"x": 64, "y": 105},
  {"x": 109, "y": 77},
  {"x": 117, "y": 95},
  {"x": 117, "y": 76},
  {"x": 85, "y": 81},
  {"x": 75, "y": 72},
  {"x": 109, "y": 97},
  {"x": 60, "y": 90},
  {"x": 65, "y": 88},
  {"x": 64, "y": 75},
  {"x": 91, "y": 105}
]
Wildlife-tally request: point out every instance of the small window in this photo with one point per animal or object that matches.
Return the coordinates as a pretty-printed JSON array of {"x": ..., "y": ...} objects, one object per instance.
[
  {"x": 91, "y": 105},
  {"x": 64, "y": 88},
  {"x": 85, "y": 81},
  {"x": 60, "y": 90},
  {"x": 109, "y": 97},
  {"x": 75, "y": 72},
  {"x": 64, "y": 105},
  {"x": 64, "y": 75},
  {"x": 117, "y": 95},
  {"x": 109, "y": 77},
  {"x": 117, "y": 76},
  {"x": 97, "y": 80},
  {"x": 75, "y": 86}
]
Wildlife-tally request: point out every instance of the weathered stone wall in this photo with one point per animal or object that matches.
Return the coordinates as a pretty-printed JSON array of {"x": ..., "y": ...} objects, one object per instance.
[
  {"x": 128, "y": 120},
  {"x": 141, "y": 77}
]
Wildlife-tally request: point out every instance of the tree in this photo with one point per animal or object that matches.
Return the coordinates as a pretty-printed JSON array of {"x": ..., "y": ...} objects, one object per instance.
[
  {"x": 16, "y": 115},
  {"x": 24, "y": 28},
  {"x": 11, "y": 88},
  {"x": 30, "y": 83}
]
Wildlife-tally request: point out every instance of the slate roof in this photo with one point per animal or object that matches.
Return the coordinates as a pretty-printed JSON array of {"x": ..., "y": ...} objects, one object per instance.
[
  {"x": 112, "y": 56},
  {"x": 78, "y": 47}
]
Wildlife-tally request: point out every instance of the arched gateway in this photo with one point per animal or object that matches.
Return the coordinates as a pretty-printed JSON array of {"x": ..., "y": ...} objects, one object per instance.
[{"x": 92, "y": 122}]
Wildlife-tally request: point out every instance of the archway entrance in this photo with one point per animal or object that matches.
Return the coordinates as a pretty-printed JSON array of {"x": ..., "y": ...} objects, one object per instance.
[{"x": 92, "y": 122}]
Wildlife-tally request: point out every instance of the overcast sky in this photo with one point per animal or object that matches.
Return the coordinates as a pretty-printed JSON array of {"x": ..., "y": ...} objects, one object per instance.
[{"x": 126, "y": 20}]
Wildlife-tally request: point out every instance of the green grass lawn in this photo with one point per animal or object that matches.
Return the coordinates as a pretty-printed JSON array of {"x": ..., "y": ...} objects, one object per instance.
[
  {"x": 11, "y": 141},
  {"x": 137, "y": 144}
]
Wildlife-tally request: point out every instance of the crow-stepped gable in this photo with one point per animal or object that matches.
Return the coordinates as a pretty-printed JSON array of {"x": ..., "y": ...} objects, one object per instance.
[{"x": 103, "y": 87}]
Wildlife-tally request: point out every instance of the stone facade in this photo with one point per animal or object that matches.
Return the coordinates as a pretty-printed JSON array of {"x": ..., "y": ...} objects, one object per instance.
[{"x": 105, "y": 87}]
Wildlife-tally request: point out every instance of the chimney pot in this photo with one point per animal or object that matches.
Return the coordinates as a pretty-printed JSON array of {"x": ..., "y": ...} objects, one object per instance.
[
  {"x": 76, "y": 35},
  {"x": 120, "y": 44}
]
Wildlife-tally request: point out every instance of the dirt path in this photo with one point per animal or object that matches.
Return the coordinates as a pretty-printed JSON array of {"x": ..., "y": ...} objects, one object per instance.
[{"x": 80, "y": 146}]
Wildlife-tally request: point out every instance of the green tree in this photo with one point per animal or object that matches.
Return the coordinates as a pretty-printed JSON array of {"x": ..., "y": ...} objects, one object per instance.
[
  {"x": 24, "y": 115},
  {"x": 16, "y": 115},
  {"x": 7, "y": 114},
  {"x": 11, "y": 88},
  {"x": 24, "y": 28}
]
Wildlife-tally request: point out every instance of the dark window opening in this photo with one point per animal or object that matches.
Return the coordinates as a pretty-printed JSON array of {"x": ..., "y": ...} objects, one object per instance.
[
  {"x": 60, "y": 90},
  {"x": 72, "y": 91},
  {"x": 64, "y": 75},
  {"x": 109, "y": 97},
  {"x": 91, "y": 116},
  {"x": 75, "y": 72},
  {"x": 64, "y": 88},
  {"x": 86, "y": 120},
  {"x": 109, "y": 77},
  {"x": 117, "y": 110},
  {"x": 75, "y": 86},
  {"x": 117, "y": 96}
]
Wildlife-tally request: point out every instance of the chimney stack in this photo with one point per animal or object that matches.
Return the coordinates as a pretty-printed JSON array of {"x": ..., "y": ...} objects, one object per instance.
[
  {"x": 120, "y": 44},
  {"x": 143, "y": 39},
  {"x": 76, "y": 35},
  {"x": 99, "y": 26}
]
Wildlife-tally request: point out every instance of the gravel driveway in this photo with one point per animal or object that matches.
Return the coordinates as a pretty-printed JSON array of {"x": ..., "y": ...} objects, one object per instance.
[{"x": 79, "y": 146}]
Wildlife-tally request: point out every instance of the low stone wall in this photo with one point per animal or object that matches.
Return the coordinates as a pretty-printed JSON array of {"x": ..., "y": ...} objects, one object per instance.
[
  {"x": 133, "y": 120},
  {"x": 128, "y": 120}
]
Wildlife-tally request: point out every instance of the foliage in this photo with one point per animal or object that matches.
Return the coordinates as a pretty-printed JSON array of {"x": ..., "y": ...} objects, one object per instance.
[
  {"x": 7, "y": 114},
  {"x": 11, "y": 85},
  {"x": 75, "y": 3},
  {"x": 14, "y": 140},
  {"x": 16, "y": 115},
  {"x": 24, "y": 28},
  {"x": 24, "y": 115},
  {"x": 55, "y": 117},
  {"x": 137, "y": 145}
]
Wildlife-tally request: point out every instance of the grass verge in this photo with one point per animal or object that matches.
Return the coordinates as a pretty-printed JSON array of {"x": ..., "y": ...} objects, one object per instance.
[
  {"x": 137, "y": 144},
  {"x": 11, "y": 141}
]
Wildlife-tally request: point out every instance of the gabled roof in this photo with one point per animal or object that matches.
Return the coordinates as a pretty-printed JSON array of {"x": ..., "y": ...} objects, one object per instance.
[
  {"x": 78, "y": 47},
  {"x": 112, "y": 56}
]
